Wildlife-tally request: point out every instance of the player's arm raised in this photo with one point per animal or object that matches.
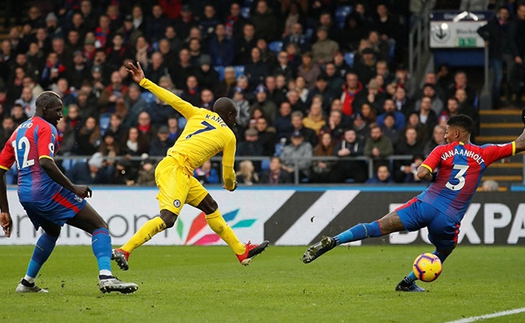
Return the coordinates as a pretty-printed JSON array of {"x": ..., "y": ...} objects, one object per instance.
[
  {"x": 228, "y": 159},
  {"x": 185, "y": 108}
]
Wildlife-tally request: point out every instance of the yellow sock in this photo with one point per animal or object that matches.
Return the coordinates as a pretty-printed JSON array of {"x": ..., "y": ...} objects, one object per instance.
[
  {"x": 219, "y": 226},
  {"x": 145, "y": 233}
]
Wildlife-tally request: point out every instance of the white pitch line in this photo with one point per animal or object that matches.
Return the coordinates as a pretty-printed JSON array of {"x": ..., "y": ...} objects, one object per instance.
[{"x": 489, "y": 316}]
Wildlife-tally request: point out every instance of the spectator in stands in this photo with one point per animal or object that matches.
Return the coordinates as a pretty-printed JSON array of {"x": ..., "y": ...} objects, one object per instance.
[
  {"x": 142, "y": 51},
  {"x": 88, "y": 138},
  {"x": 145, "y": 127},
  {"x": 368, "y": 114},
  {"x": 382, "y": 176},
  {"x": 113, "y": 94},
  {"x": 245, "y": 44},
  {"x": 221, "y": 48},
  {"x": 325, "y": 20},
  {"x": 381, "y": 47},
  {"x": 284, "y": 67},
  {"x": 402, "y": 103},
  {"x": 226, "y": 86},
  {"x": 411, "y": 145},
  {"x": 192, "y": 94},
  {"x": 157, "y": 68},
  {"x": 389, "y": 128},
  {"x": 350, "y": 146},
  {"x": 124, "y": 173},
  {"x": 128, "y": 31},
  {"x": 156, "y": 24},
  {"x": 272, "y": 93},
  {"x": 264, "y": 21},
  {"x": 321, "y": 88},
  {"x": 366, "y": 66},
  {"x": 411, "y": 171},
  {"x": 354, "y": 30},
  {"x": 268, "y": 107},
  {"x": 91, "y": 172},
  {"x": 390, "y": 108},
  {"x": 490, "y": 186},
  {"x": 267, "y": 56},
  {"x": 283, "y": 121},
  {"x": 160, "y": 145},
  {"x": 427, "y": 116},
  {"x": 267, "y": 135},
  {"x": 438, "y": 138},
  {"x": 135, "y": 142},
  {"x": 350, "y": 89},
  {"x": 334, "y": 126},
  {"x": 173, "y": 128},
  {"x": 146, "y": 173},
  {"x": 116, "y": 128},
  {"x": 206, "y": 76},
  {"x": 372, "y": 96},
  {"x": 387, "y": 24},
  {"x": 378, "y": 146},
  {"x": 323, "y": 171},
  {"x": 308, "y": 70},
  {"x": 250, "y": 146},
  {"x": 461, "y": 83},
  {"x": 466, "y": 108},
  {"x": 276, "y": 174},
  {"x": 307, "y": 133},
  {"x": 315, "y": 119},
  {"x": 243, "y": 108},
  {"x": 78, "y": 71},
  {"x": 182, "y": 70},
  {"x": 27, "y": 101},
  {"x": 109, "y": 148},
  {"x": 8, "y": 126},
  {"x": 118, "y": 52},
  {"x": 299, "y": 85},
  {"x": 135, "y": 104},
  {"x": 334, "y": 81},
  {"x": 436, "y": 103},
  {"x": 324, "y": 48},
  {"x": 52, "y": 71},
  {"x": 297, "y": 154},
  {"x": 207, "y": 99},
  {"x": 246, "y": 174},
  {"x": 18, "y": 114},
  {"x": 234, "y": 22},
  {"x": 186, "y": 21},
  {"x": 256, "y": 70}
]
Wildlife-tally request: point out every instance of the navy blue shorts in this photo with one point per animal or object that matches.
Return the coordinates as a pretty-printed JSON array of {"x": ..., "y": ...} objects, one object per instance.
[
  {"x": 63, "y": 206},
  {"x": 443, "y": 230}
]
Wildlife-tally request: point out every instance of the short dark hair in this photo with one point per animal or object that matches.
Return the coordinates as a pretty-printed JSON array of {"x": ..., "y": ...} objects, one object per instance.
[
  {"x": 462, "y": 121},
  {"x": 47, "y": 99}
]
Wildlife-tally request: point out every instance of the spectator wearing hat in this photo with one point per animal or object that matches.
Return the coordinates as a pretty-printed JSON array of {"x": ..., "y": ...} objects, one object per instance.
[
  {"x": 250, "y": 146},
  {"x": 268, "y": 107},
  {"x": 94, "y": 171},
  {"x": 160, "y": 145},
  {"x": 308, "y": 70},
  {"x": 360, "y": 126},
  {"x": 206, "y": 75},
  {"x": 221, "y": 48},
  {"x": 89, "y": 48},
  {"x": 128, "y": 30},
  {"x": 297, "y": 154},
  {"x": 324, "y": 48},
  {"x": 53, "y": 29},
  {"x": 243, "y": 108}
]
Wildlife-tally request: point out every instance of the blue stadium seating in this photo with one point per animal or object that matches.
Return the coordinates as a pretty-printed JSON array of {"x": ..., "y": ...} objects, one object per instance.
[
  {"x": 148, "y": 97},
  {"x": 245, "y": 12},
  {"x": 247, "y": 3},
  {"x": 309, "y": 33},
  {"x": 239, "y": 70},
  {"x": 340, "y": 15},
  {"x": 220, "y": 70},
  {"x": 392, "y": 50},
  {"x": 265, "y": 164},
  {"x": 349, "y": 59},
  {"x": 276, "y": 46}
]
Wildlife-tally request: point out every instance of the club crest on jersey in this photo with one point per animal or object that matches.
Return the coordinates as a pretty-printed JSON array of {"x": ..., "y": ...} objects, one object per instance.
[
  {"x": 176, "y": 203},
  {"x": 51, "y": 148}
]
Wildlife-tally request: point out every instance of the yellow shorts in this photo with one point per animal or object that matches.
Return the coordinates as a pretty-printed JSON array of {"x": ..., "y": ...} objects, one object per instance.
[{"x": 177, "y": 186}]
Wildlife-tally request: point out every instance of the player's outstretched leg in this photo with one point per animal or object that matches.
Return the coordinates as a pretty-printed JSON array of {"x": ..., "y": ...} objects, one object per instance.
[
  {"x": 43, "y": 249},
  {"x": 252, "y": 250},
  {"x": 143, "y": 235},
  {"x": 355, "y": 233}
]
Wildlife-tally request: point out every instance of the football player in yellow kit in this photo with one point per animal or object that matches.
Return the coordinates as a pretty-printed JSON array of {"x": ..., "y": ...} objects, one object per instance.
[{"x": 206, "y": 133}]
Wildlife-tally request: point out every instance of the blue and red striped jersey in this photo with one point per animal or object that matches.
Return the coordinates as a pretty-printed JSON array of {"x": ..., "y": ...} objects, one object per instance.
[
  {"x": 461, "y": 167},
  {"x": 34, "y": 139}
]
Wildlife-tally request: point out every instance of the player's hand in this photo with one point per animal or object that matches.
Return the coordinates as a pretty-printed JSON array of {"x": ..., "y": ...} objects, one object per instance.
[
  {"x": 83, "y": 191},
  {"x": 136, "y": 72},
  {"x": 6, "y": 223},
  {"x": 523, "y": 116},
  {"x": 233, "y": 189}
]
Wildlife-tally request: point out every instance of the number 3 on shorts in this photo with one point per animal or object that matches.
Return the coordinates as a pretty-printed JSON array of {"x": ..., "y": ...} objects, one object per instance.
[
  {"x": 207, "y": 127},
  {"x": 459, "y": 176}
]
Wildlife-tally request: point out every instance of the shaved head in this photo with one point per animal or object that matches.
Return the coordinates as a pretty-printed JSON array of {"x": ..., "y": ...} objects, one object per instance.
[{"x": 226, "y": 109}]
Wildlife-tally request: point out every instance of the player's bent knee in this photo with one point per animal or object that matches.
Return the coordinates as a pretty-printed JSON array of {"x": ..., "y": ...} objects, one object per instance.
[
  {"x": 208, "y": 205},
  {"x": 168, "y": 217}
]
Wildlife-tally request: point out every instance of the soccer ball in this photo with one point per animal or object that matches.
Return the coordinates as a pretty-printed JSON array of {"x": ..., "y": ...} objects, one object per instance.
[{"x": 427, "y": 267}]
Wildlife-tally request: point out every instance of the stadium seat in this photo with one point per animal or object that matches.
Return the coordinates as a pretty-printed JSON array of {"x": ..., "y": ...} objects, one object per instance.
[
  {"x": 276, "y": 46},
  {"x": 309, "y": 33},
  {"x": 220, "y": 70},
  {"x": 247, "y": 3},
  {"x": 340, "y": 15},
  {"x": 349, "y": 59},
  {"x": 245, "y": 12},
  {"x": 265, "y": 164},
  {"x": 155, "y": 46},
  {"x": 392, "y": 50},
  {"x": 148, "y": 97},
  {"x": 103, "y": 122},
  {"x": 239, "y": 70}
]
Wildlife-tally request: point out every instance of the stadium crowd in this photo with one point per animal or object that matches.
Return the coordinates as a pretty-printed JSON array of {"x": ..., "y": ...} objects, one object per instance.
[{"x": 310, "y": 78}]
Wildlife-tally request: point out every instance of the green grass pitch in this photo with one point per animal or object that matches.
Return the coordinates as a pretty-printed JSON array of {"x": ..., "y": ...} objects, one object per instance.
[{"x": 207, "y": 284}]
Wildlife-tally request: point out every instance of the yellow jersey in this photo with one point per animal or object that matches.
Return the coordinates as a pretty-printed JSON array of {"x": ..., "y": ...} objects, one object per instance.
[{"x": 205, "y": 134}]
